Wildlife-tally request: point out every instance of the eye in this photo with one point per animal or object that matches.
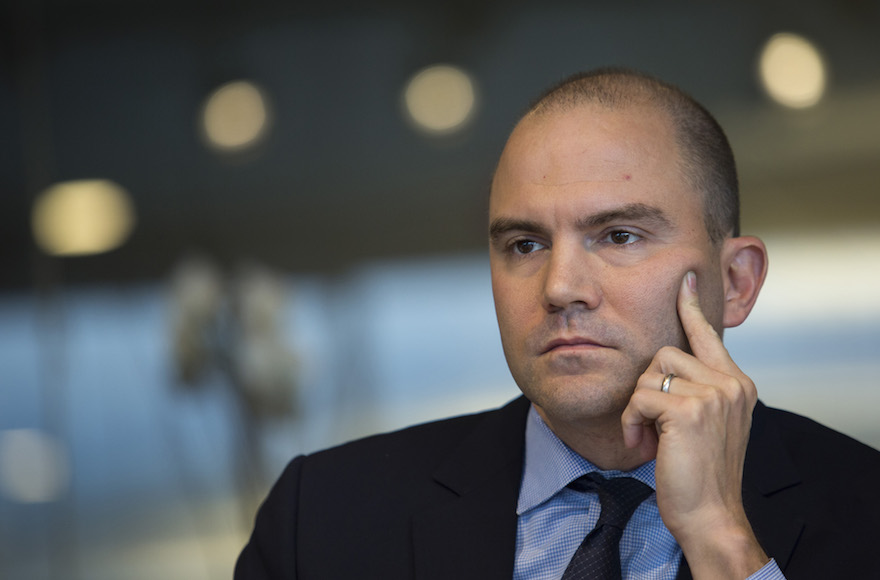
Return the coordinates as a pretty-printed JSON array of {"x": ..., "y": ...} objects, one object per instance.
[
  {"x": 525, "y": 246},
  {"x": 622, "y": 237}
]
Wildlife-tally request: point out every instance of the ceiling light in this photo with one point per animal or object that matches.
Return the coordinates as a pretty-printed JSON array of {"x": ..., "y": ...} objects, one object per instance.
[
  {"x": 235, "y": 116},
  {"x": 77, "y": 218},
  {"x": 440, "y": 99},
  {"x": 792, "y": 71}
]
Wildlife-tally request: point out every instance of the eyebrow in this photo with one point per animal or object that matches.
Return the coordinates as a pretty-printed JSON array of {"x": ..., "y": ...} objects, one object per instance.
[
  {"x": 630, "y": 212},
  {"x": 502, "y": 226},
  {"x": 641, "y": 212}
]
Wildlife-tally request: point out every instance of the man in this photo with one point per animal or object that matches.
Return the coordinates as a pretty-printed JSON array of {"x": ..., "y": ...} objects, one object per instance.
[{"x": 616, "y": 264}]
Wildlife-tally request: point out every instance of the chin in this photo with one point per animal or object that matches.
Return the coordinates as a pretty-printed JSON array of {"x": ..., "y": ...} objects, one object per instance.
[{"x": 576, "y": 403}]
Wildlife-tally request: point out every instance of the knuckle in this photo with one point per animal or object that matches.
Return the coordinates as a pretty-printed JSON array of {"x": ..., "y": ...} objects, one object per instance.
[
  {"x": 715, "y": 400},
  {"x": 732, "y": 386},
  {"x": 647, "y": 381},
  {"x": 751, "y": 390},
  {"x": 666, "y": 353},
  {"x": 741, "y": 390},
  {"x": 638, "y": 396},
  {"x": 692, "y": 410}
]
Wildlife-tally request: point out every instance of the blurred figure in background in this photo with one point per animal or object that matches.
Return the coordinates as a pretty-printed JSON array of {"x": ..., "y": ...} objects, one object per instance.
[{"x": 236, "y": 329}]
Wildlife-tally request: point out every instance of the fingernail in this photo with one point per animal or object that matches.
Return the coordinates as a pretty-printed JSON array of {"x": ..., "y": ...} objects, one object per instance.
[{"x": 691, "y": 279}]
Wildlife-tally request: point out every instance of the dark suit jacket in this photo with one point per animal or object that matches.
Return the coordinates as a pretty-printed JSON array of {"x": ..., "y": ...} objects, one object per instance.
[{"x": 438, "y": 501}]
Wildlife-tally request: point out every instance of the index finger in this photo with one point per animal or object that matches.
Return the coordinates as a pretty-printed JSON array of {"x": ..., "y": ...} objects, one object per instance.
[{"x": 704, "y": 340}]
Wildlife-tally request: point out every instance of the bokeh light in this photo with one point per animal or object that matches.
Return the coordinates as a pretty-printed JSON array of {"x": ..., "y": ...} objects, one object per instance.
[
  {"x": 440, "y": 99},
  {"x": 34, "y": 466},
  {"x": 82, "y": 217},
  {"x": 792, "y": 71},
  {"x": 235, "y": 116}
]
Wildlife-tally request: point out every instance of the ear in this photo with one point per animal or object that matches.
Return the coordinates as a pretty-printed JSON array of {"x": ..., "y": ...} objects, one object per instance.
[{"x": 744, "y": 267}]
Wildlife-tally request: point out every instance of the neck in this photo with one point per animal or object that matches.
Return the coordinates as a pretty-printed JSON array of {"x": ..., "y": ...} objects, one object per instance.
[{"x": 598, "y": 440}]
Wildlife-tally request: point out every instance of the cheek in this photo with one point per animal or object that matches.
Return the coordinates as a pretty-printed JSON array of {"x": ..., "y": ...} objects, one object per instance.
[
  {"x": 646, "y": 299},
  {"x": 650, "y": 291},
  {"x": 510, "y": 305},
  {"x": 515, "y": 294},
  {"x": 652, "y": 319},
  {"x": 647, "y": 295}
]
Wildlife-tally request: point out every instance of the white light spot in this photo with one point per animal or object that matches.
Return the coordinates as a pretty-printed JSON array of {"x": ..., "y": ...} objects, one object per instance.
[
  {"x": 77, "y": 218},
  {"x": 440, "y": 99},
  {"x": 33, "y": 466},
  {"x": 235, "y": 116},
  {"x": 793, "y": 71}
]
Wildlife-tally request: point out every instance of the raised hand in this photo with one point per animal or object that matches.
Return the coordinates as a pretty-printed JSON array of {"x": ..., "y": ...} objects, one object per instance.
[{"x": 698, "y": 432}]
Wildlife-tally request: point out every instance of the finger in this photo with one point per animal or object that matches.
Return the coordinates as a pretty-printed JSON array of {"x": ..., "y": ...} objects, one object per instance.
[
  {"x": 673, "y": 360},
  {"x": 648, "y": 442},
  {"x": 693, "y": 378},
  {"x": 644, "y": 437},
  {"x": 704, "y": 340},
  {"x": 641, "y": 414},
  {"x": 683, "y": 404},
  {"x": 678, "y": 385},
  {"x": 670, "y": 359}
]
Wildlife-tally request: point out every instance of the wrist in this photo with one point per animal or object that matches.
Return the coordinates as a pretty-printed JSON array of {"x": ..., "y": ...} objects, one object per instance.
[{"x": 724, "y": 551}]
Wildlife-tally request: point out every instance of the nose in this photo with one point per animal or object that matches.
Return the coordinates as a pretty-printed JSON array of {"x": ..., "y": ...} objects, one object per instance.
[{"x": 571, "y": 279}]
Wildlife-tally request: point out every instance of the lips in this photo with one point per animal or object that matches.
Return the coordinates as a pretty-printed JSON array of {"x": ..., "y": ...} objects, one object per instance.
[{"x": 573, "y": 342}]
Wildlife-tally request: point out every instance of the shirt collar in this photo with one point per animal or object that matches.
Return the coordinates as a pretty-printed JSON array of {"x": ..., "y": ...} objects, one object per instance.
[{"x": 550, "y": 465}]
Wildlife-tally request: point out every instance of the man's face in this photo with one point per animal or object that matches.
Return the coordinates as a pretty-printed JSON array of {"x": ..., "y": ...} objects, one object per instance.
[{"x": 592, "y": 228}]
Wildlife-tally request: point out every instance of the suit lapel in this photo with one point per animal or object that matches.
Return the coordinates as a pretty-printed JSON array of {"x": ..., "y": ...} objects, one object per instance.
[
  {"x": 769, "y": 473},
  {"x": 472, "y": 534}
]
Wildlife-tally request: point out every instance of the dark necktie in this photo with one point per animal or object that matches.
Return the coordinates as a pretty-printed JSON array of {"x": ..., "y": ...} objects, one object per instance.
[{"x": 598, "y": 556}]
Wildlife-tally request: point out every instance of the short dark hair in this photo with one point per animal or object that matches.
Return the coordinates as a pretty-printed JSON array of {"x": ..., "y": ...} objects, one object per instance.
[{"x": 707, "y": 158}]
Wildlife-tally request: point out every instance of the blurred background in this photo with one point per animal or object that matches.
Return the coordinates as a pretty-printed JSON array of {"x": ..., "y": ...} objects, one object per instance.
[{"x": 231, "y": 233}]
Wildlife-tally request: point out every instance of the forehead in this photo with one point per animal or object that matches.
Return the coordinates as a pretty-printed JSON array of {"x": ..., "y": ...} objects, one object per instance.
[
  {"x": 590, "y": 152},
  {"x": 589, "y": 142}
]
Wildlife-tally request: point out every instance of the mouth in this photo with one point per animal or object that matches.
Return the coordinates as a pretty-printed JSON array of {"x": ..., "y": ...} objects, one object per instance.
[{"x": 576, "y": 343}]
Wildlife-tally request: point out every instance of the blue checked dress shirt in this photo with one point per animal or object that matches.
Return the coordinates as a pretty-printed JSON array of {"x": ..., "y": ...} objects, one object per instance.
[{"x": 553, "y": 519}]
